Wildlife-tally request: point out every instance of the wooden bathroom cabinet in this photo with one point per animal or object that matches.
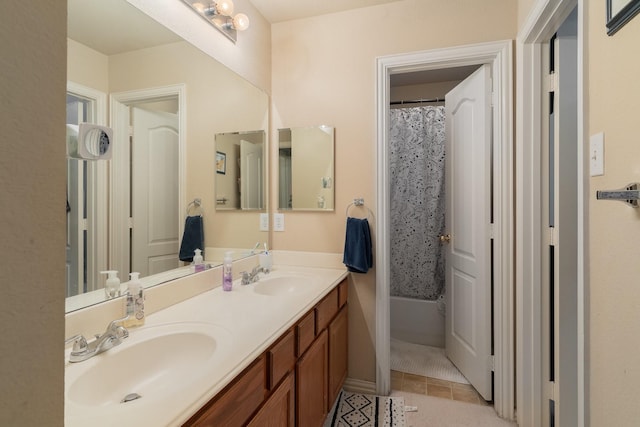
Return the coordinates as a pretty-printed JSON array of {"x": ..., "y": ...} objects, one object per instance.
[{"x": 296, "y": 380}]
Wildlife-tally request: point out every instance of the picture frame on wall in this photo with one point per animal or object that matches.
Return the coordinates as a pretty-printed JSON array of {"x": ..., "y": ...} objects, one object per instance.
[
  {"x": 619, "y": 12},
  {"x": 221, "y": 163}
]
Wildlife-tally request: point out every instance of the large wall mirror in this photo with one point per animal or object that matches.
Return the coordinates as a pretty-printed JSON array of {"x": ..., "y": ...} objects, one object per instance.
[
  {"x": 306, "y": 168},
  {"x": 166, "y": 100}
]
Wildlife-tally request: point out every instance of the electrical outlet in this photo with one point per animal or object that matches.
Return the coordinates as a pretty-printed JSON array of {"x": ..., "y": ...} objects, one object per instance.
[
  {"x": 278, "y": 222},
  {"x": 264, "y": 222},
  {"x": 596, "y": 154}
]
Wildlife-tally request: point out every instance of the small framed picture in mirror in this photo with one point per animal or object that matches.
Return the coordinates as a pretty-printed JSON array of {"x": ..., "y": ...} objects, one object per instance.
[
  {"x": 619, "y": 12},
  {"x": 221, "y": 163}
]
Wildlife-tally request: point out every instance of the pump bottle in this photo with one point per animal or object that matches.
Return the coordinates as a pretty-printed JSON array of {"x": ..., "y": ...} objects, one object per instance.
[
  {"x": 198, "y": 263},
  {"x": 112, "y": 286},
  {"x": 134, "y": 302},
  {"x": 227, "y": 272}
]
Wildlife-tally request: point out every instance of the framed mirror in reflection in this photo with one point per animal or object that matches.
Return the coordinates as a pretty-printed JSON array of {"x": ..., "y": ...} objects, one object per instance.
[
  {"x": 306, "y": 168},
  {"x": 240, "y": 171},
  {"x": 128, "y": 213}
]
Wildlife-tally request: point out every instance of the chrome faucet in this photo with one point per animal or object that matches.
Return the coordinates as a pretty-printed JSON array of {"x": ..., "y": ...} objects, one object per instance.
[
  {"x": 248, "y": 278},
  {"x": 113, "y": 336}
]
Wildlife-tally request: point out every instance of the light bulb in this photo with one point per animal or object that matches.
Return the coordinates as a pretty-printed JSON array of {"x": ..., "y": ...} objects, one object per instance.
[
  {"x": 198, "y": 6},
  {"x": 241, "y": 22},
  {"x": 224, "y": 7}
]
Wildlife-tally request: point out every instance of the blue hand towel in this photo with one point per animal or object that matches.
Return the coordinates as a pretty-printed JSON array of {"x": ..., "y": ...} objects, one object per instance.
[
  {"x": 358, "y": 255},
  {"x": 192, "y": 239}
]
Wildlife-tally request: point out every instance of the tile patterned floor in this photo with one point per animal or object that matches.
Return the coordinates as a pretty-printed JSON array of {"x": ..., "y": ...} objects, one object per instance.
[{"x": 434, "y": 387}]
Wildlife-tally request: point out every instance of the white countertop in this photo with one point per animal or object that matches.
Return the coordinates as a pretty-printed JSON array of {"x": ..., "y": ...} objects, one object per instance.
[{"x": 247, "y": 323}]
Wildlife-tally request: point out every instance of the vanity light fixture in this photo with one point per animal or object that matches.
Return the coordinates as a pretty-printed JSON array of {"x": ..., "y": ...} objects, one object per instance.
[{"x": 220, "y": 14}]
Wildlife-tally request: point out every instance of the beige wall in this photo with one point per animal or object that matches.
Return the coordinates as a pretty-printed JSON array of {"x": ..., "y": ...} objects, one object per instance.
[
  {"x": 32, "y": 218},
  {"x": 87, "y": 67},
  {"x": 524, "y": 8},
  {"x": 323, "y": 72},
  {"x": 614, "y": 91}
]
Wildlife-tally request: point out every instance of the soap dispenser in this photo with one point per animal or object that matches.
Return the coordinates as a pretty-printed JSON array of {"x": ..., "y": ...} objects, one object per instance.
[
  {"x": 134, "y": 302},
  {"x": 198, "y": 262},
  {"x": 227, "y": 273},
  {"x": 112, "y": 286}
]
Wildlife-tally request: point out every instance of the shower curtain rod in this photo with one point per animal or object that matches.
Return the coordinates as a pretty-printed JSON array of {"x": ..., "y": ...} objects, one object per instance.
[{"x": 416, "y": 101}]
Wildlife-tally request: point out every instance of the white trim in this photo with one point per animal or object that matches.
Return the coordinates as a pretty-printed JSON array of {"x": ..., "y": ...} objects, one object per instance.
[
  {"x": 119, "y": 210},
  {"x": 359, "y": 386},
  {"x": 542, "y": 23},
  {"x": 499, "y": 56},
  {"x": 97, "y": 195}
]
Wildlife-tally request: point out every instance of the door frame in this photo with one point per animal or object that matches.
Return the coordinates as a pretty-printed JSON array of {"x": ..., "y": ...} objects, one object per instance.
[
  {"x": 543, "y": 21},
  {"x": 119, "y": 209},
  {"x": 498, "y": 55}
]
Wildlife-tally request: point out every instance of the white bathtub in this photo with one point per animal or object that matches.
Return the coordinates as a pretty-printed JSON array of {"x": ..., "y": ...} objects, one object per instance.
[{"x": 417, "y": 321}]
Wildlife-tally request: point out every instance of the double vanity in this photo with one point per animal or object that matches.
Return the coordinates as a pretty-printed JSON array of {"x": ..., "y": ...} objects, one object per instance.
[{"x": 272, "y": 350}]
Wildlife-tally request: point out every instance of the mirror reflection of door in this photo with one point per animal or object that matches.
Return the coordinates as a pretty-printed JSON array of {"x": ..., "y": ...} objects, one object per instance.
[
  {"x": 86, "y": 231},
  {"x": 251, "y": 161},
  {"x": 154, "y": 190}
]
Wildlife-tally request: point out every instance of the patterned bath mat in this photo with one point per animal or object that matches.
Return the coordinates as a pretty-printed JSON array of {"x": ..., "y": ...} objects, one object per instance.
[{"x": 363, "y": 410}]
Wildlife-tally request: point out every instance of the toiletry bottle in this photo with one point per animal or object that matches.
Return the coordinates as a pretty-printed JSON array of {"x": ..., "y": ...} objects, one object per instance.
[
  {"x": 112, "y": 286},
  {"x": 135, "y": 302},
  {"x": 227, "y": 273},
  {"x": 198, "y": 262}
]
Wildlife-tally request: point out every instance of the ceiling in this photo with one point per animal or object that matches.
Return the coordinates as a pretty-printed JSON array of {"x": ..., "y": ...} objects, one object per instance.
[
  {"x": 286, "y": 10},
  {"x": 114, "y": 26}
]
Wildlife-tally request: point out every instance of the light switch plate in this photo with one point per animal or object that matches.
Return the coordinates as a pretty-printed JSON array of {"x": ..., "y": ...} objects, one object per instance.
[
  {"x": 264, "y": 222},
  {"x": 278, "y": 222},
  {"x": 596, "y": 154}
]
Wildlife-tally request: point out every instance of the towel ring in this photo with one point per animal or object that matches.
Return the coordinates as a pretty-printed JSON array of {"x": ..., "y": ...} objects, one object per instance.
[
  {"x": 197, "y": 206},
  {"x": 358, "y": 202}
]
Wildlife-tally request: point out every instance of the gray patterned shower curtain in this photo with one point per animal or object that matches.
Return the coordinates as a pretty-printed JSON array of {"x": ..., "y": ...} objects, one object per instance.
[{"x": 417, "y": 153}]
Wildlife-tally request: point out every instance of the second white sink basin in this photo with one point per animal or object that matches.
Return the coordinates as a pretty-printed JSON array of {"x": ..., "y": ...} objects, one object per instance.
[
  {"x": 282, "y": 285},
  {"x": 152, "y": 363}
]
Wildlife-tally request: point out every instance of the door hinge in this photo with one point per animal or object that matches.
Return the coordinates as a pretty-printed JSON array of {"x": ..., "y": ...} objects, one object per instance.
[
  {"x": 552, "y": 236},
  {"x": 492, "y": 363},
  {"x": 130, "y": 222},
  {"x": 84, "y": 224},
  {"x": 492, "y": 231},
  {"x": 130, "y": 130},
  {"x": 551, "y": 82},
  {"x": 551, "y": 390}
]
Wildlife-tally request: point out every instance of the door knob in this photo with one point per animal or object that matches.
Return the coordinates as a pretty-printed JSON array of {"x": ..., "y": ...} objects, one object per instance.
[{"x": 445, "y": 238}]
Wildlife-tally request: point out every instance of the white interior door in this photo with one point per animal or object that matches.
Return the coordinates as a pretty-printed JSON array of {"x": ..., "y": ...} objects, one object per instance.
[
  {"x": 250, "y": 175},
  {"x": 155, "y": 187},
  {"x": 468, "y": 201}
]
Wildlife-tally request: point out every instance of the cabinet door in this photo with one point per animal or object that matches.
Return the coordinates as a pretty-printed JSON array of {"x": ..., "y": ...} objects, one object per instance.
[
  {"x": 338, "y": 354},
  {"x": 312, "y": 383},
  {"x": 234, "y": 406},
  {"x": 279, "y": 410}
]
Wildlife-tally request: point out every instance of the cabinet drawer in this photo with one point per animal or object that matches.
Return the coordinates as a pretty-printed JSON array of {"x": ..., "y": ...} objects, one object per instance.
[
  {"x": 326, "y": 309},
  {"x": 306, "y": 332},
  {"x": 342, "y": 293},
  {"x": 238, "y": 402},
  {"x": 281, "y": 358}
]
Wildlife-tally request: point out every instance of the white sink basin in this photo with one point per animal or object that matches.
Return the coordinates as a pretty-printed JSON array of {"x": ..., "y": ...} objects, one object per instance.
[
  {"x": 282, "y": 285},
  {"x": 154, "y": 362}
]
